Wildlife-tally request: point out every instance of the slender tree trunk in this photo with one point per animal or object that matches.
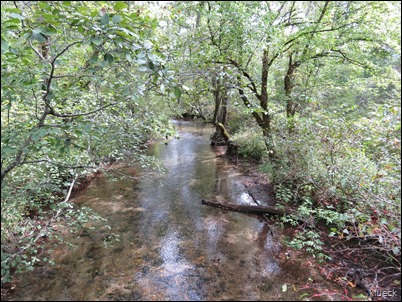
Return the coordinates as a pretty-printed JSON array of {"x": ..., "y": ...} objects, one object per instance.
[
  {"x": 224, "y": 110},
  {"x": 291, "y": 105},
  {"x": 266, "y": 117},
  {"x": 217, "y": 98}
]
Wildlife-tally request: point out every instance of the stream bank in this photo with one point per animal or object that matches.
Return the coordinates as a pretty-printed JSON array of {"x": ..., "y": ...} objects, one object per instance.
[{"x": 164, "y": 245}]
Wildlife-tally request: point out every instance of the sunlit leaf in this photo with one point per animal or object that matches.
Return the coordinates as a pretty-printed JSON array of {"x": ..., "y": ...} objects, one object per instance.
[
  {"x": 120, "y": 5},
  {"x": 177, "y": 92},
  {"x": 44, "y": 5}
]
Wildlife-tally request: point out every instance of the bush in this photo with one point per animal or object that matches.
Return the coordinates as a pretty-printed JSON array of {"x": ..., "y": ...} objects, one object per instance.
[
  {"x": 345, "y": 173},
  {"x": 250, "y": 143}
]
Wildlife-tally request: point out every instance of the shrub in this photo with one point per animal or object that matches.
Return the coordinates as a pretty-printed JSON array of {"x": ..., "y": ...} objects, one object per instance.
[
  {"x": 250, "y": 143},
  {"x": 345, "y": 173}
]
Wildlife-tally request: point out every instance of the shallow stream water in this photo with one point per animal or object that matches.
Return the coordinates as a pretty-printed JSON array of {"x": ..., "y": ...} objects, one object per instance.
[{"x": 171, "y": 247}]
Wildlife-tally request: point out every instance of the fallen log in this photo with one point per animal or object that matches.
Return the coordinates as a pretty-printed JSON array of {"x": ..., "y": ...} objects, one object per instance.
[{"x": 247, "y": 208}]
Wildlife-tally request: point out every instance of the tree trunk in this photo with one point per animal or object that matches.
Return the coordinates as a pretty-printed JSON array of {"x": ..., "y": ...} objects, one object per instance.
[
  {"x": 289, "y": 84},
  {"x": 221, "y": 136},
  {"x": 265, "y": 116},
  {"x": 247, "y": 208}
]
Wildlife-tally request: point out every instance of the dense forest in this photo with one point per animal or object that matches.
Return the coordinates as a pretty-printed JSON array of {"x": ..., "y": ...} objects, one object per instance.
[{"x": 310, "y": 90}]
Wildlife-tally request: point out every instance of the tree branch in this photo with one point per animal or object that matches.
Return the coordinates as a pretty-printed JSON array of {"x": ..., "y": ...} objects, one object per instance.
[
  {"x": 246, "y": 102},
  {"x": 323, "y": 12},
  {"x": 64, "y": 50},
  {"x": 316, "y": 31},
  {"x": 54, "y": 113},
  {"x": 36, "y": 51},
  {"x": 253, "y": 88}
]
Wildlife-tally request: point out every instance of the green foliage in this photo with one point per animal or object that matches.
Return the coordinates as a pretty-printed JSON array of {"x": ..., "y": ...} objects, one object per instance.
[
  {"x": 310, "y": 242},
  {"x": 345, "y": 172},
  {"x": 250, "y": 143},
  {"x": 80, "y": 86}
]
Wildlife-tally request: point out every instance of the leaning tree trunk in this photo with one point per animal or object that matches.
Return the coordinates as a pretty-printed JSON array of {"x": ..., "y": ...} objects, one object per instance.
[
  {"x": 221, "y": 136},
  {"x": 289, "y": 84}
]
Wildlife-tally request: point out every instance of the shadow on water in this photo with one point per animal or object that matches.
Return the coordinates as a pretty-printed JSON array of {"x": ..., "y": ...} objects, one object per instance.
[{"x": 171, "y": 247}]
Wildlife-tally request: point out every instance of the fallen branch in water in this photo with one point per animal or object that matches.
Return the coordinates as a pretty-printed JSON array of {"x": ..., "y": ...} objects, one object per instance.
[{"x": 247, "y": 208}]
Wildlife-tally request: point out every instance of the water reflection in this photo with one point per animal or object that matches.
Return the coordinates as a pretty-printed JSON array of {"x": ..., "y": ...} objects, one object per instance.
[{"x": 171, "y": 247}]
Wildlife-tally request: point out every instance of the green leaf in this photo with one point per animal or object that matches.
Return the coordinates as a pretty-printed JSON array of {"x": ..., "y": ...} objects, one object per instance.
[
  {"x": 38, "y": 35},
  {"x": 97, "y": 40},
  {"x": 17, "y": 16},
  {"x": 128, "y": 57},
  {"x": 12, "y": 10},
  {"x": 6, "y": 151},
  {"x": 11, "y": 23},
  {"x": 117, "y": 19},
  {"x": 45, "y": 6},
  {"x": 105, "y": 19},
  {"x": 120, "y": 5},
  {"x": 93, "y": 59},
  {"x": 38, "y": 134},
  {"x": 177, "y": 92},
  {"x": 50, "y": 30},
  {"x": 163, "y": 88},
  {"x": 4, "y": 46},
  {"x": 108, "y": 58}
]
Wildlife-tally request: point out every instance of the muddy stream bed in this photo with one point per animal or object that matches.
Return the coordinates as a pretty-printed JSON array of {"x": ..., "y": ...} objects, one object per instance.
[{"x": 171, "y": 247}]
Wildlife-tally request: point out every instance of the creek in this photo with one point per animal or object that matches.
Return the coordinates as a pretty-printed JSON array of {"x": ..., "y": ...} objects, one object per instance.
[{"x": 171, "y": 247}]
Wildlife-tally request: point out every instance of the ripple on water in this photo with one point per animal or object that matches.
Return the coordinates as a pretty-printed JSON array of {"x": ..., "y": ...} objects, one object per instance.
[{"x": 171, "y": 247}]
